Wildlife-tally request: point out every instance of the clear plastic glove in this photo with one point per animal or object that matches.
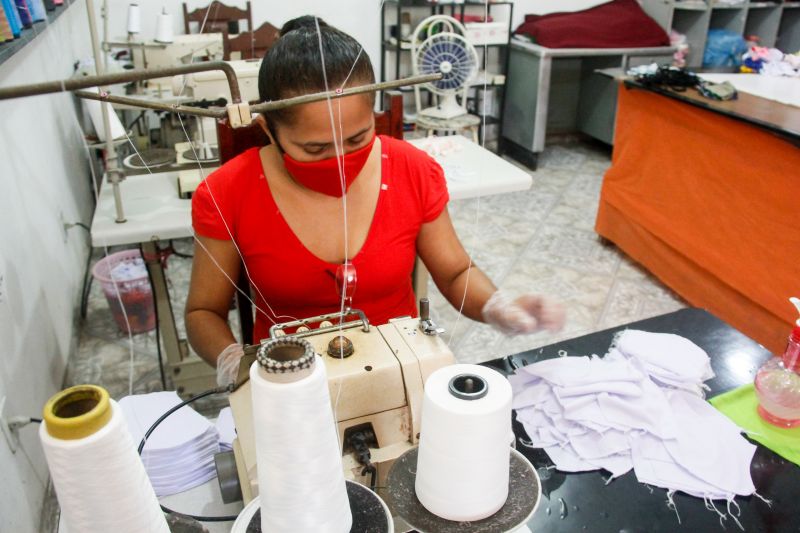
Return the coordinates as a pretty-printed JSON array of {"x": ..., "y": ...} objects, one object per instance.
[
  {"x": 525, "y": 314},
  {"x": 228, "y": 364}
]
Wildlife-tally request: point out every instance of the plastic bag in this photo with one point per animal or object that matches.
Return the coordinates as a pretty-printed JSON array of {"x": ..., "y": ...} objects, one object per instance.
[{"x": 724, "y": 48}]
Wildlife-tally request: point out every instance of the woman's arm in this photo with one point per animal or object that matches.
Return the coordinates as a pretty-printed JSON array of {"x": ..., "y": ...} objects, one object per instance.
[
  {"x": 449, "y": 265},
  {"x": 210, "y": 293}
]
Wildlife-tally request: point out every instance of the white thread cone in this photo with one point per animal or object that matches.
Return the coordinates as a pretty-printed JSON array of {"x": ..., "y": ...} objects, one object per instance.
[{"x": 101, "y": 483}]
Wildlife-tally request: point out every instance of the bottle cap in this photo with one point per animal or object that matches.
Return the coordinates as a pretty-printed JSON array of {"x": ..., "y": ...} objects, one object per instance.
[{"x": 796, "y": 328}]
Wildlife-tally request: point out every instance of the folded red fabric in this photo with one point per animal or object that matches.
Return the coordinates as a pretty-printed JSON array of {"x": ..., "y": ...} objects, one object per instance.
[{"x": 618, "y": 24}]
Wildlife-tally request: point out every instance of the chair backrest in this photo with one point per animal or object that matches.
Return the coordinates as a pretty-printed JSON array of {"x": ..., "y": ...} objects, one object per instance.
[
  {"x": 216, "y": 17},
  {"x": 234, "y": 141},
  {"x": 253, "y": 44}
]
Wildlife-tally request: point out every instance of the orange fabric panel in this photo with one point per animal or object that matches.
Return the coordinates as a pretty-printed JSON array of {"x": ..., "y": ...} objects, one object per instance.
[{"x": 711, "y": 206}]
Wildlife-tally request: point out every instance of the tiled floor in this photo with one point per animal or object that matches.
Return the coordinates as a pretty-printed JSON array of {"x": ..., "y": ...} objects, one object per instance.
[{"x": 541, "y": 240}]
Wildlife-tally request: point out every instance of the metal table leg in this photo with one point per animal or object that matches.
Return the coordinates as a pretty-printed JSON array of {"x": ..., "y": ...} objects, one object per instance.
[{"x": 188, "y": 372}]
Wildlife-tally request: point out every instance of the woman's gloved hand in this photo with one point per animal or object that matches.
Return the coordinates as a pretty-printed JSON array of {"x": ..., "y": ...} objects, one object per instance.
[
  {"x": 525, "y": 314},
  {"x": 228, "y": 364}
]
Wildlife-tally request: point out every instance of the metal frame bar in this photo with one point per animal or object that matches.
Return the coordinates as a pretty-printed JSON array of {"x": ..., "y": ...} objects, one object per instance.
[
  {"x": 127, "y": 76},
  {"x": 141, "y": 75}
]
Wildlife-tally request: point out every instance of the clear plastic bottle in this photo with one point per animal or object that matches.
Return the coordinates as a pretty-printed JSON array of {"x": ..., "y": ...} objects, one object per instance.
[{"x": 778, "y": 383}]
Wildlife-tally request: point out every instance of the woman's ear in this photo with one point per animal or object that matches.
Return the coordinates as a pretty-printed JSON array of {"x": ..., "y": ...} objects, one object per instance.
[{"x": 261, "y": 120}]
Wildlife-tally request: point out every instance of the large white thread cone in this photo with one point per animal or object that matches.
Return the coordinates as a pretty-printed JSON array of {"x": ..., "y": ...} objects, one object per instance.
[{"x": 464, "y": 452}]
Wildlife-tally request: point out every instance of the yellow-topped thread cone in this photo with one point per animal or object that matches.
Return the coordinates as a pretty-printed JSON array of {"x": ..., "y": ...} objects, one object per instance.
[{"x": 77, "y": 412}]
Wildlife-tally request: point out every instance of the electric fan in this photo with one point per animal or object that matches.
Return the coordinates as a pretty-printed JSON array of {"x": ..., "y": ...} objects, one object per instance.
[{"x": 444, "y": 49}]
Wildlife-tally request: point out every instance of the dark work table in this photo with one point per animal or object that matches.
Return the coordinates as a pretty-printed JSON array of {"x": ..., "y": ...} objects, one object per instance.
[{"x": 627, "y": 506}]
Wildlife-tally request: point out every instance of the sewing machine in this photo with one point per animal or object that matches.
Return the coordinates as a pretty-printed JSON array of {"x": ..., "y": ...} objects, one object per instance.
[
  {"x": 376, "y": 390},
  {"x": 183, "y": 49},
  {"x": 210, "y": 86},
  {"x": 213, "y": 85}
]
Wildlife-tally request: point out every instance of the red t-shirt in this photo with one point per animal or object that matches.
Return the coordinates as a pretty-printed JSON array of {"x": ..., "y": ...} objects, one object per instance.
[{"x": 295, "y": 282}]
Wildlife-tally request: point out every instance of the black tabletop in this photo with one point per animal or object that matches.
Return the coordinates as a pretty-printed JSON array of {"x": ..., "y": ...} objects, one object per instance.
[{"x": 583, "y": 502}]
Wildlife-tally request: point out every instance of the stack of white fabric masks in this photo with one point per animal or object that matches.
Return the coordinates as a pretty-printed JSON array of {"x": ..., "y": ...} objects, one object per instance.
[
  {"x": 179, "y": 454},
  {"x": 640, "y": 407}
]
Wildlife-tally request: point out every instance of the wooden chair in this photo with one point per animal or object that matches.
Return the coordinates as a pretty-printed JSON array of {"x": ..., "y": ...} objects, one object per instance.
[
  {"x": 253, "y": 44},
  {"x": 233, "y": 142},
  {"x": 218, "y": 18}
]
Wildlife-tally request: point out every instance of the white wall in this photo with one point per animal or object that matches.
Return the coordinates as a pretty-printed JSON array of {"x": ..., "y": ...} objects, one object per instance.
[
  {"x": 359, "y": 18},
  {"x": 43, "y": 178}
]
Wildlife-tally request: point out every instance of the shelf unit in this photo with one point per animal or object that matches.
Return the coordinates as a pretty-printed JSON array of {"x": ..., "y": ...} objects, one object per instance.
[
  {"x": 776, "y": 23},
  {"x": 391, "y": 48},
  {"x": 9, "y": 48}
]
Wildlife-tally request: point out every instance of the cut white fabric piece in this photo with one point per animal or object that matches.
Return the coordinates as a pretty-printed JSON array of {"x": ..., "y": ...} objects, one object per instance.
[
  {"x": 618, "y": 464},
  {"x": 639, "y": 407},
  {"x": 666, "y": 356},
  {"x": 700, "y": 423},
  {"x": 567, "y": 460},
  {"x": 655, "y": 466},
  {"x": 591, "y": 446},
  {"x": 576, "y": 371}
]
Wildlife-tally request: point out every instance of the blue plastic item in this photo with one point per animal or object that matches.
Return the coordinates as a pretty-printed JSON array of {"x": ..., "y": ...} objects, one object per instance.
[
  {"x": 37, "y": 10},
  {"x": 12, "y": 16},
  {"x": 724, "y": 48},
  {"x": 24, "y": 13}
]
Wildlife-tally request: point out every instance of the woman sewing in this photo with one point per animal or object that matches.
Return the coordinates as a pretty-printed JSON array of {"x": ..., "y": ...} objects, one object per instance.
[{"x": 282, "y": 208}]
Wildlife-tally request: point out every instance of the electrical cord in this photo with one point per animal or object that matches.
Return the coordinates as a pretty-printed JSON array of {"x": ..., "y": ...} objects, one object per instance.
[
  {"x": 18, "y": 422},
  {"x": 79, "y": 224},
  {"x": 359, "y": 441},
  {"x": 219, "y": 390}
]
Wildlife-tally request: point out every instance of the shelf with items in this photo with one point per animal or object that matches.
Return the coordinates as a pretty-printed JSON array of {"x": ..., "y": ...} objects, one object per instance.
[
  {"x": 30, "y": 32},
  {"x": 775, "y": 23},
  {"x": 489, "y": 35}
]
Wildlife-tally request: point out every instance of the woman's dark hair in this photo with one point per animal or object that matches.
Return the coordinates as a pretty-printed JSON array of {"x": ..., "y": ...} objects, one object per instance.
[{"x": 293, "y": 66}]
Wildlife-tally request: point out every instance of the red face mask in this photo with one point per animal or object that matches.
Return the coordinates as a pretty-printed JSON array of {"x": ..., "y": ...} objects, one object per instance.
[{"x": 323, "y": 176}]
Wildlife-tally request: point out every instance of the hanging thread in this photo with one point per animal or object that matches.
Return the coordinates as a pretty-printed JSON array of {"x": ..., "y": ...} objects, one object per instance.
[
  {"x": 300, "y": 474},
  {"x": 100, "y": 482},
  {"x": 464, "y": 449}
]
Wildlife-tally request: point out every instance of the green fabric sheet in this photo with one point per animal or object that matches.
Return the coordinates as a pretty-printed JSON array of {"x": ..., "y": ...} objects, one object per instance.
[{"x": 740, "y": 406}]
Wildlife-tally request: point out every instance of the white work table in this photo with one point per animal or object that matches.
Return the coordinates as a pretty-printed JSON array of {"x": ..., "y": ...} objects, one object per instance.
[
  {"x": 153, "y": 211},
  {"x": 471, "y": 170}
]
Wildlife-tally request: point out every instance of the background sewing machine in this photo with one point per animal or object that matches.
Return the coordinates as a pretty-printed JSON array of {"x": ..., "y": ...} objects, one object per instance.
[
  {"x": 376, "y": 392},
  {"x": 210, "y": 86}
]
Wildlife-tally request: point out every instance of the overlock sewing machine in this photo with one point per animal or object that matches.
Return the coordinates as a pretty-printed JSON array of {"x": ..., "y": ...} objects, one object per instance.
[{"x": 375, "y": 376}]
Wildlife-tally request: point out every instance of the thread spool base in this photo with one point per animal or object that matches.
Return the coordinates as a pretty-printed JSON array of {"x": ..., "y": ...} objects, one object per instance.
[
  {"x": 369, "y": 513},
  {"x": 524, "y": 493}
]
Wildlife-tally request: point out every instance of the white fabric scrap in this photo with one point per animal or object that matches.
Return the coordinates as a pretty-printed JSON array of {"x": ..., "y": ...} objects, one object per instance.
[{"x": 640, "y": 407}]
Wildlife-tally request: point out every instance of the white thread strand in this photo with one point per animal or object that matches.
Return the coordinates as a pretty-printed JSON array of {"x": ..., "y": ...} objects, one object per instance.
[
  {"x": 339, "y": 151},
  {"x": 476, "y": 227},
  {"x": 300, "y": 476},
  {"x": 89, "y": 499}
]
